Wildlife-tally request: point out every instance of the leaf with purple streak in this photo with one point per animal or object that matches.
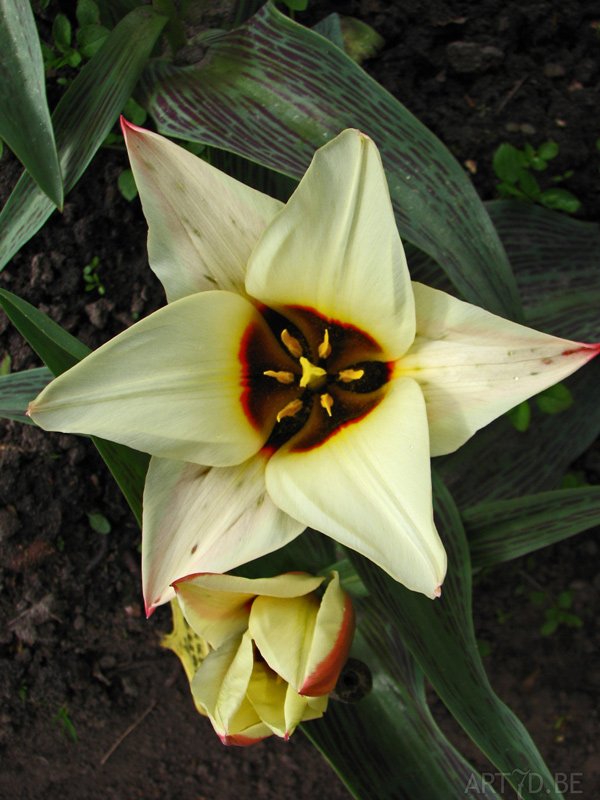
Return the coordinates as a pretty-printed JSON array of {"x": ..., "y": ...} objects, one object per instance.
[
  {"x": 85, "y": 114},
  {"x": 273, "y": 91},
  {"x": 440, "y": 636},
  {"x": 507, "y": 529},
  {"x": 390, "y": 732}
]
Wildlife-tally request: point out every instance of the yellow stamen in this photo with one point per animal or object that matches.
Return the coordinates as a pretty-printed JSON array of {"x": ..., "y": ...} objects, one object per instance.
[
  {"x": 327, "y": 402},
  {"x": 347, "y": 375},
  {"x": 310, "y": 374},
  {"x": 281, "y": 376},
  {"x": 292, "y": 344},
  {"x": 325, "y": 347},
  {"x": 292, "y": 408}
]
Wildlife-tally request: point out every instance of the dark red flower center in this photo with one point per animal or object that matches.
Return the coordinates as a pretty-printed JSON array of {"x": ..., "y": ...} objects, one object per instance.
[{"x": 305, "y": 376}]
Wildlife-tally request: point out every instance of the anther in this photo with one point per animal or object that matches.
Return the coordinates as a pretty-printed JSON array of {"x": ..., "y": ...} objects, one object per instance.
[
  {"x": 324, "y": 348},
  {"x": 292, "y": 408},
  {"x": 347, "y": 375},
  {"x": 281, "y": 376},
  {"x": 292, "y": 344},
  {"x": 327, "y": 402}
]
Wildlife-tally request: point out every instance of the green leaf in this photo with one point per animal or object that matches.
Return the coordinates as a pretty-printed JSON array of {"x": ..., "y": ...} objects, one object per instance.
[
  {"x": 507, "y": 529},
  {"x": 548, "y": 150},
  {"x": 61, "y": 351},
  {"x": 439, "y": 634},
  {"x": 387, "y": 746},
  {"x": 233, "y": 101},
  {"x": 88, "y": 13},
  {"x": 134, "y": 112},
  {"x": 19, "y": 389},
  {"x": 529, "y": 185},
  {"x": 296, "y": 5},
  {"x": 508, "y": 163},
  {"x": 565, "y": 600},
  {"x": 360, "y": 40},
  {"x": 61, "y": 32},
  {"x": 25, "y": 122},
  {"x": 520, "y": 416},
  {"x": 84, "y": 116},
  {"x": 554, "y": 400},
  {"x": 127, "y": 185},
  {"x": 561, "y": 200},
  {"x": 99, "y": 523}
]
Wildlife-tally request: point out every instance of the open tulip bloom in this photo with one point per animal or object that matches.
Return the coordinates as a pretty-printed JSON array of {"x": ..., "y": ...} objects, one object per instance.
[
  {"x": 297, "y": 377},
  {"x": 277, "y": 649}
]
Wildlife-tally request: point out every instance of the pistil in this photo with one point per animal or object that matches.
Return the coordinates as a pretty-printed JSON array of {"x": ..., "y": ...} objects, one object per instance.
[{"x": 312, "y": 377}]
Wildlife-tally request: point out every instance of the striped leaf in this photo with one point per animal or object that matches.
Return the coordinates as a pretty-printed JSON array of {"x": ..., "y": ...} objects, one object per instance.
[
  {"x": 273, "y": 91},
  {"x": 439, "y": 634},
  {"x": 61, "y": 351},
  {"x": 508, "y": 529},
  {"x": 85, "y": 114},
  {"x": 25, "y": 123},
  {"x": 387, "y": 746},
  {"x": 19, "y": 389}
]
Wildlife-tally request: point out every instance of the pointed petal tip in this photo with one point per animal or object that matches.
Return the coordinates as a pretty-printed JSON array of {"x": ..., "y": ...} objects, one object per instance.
[{"x": 438, "y": 592}]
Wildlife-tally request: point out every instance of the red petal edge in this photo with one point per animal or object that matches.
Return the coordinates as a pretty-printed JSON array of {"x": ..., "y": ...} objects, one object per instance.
[{"x": 323, "y": 679}]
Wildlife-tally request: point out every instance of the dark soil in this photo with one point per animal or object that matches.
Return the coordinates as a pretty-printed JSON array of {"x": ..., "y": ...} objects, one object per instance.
[{"x": 78, "y": 658}]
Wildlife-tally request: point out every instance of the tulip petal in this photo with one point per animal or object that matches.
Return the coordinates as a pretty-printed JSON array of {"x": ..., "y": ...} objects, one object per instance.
[
  {"x": 171, "y": 385},
  {"x": 218, "y": 606},
  {"x": 335, "y": 247},
  {"x": 275, "y": 701},
  {"x": 369, "y": 487},
  {"x": 283, "y": 631},
  {"x": 202, "y": 223},
  {"x": 198, "y": 519},
  {"x": 474, "y": 366},
  {"x": 331, "y": 642},
  {"x": 220, "y": 685}
]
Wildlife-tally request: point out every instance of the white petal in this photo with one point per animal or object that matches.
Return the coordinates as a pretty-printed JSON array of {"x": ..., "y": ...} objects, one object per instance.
[
  {"x": 369, "y": 487},
  {"x": 474, "y": 366},
  {"x": 171, "y": 385},
  {"x": 198, "y": 519},
  {"x": 202, "y": 223},
  {"x": 335, "y": 247}
]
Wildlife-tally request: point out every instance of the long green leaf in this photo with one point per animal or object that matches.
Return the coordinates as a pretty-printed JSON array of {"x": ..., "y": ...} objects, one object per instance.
[
  {"x": 60, "y": 351},
  {"x": 440, "y": 636},
  {"x": 386, "y": 746},
  {"x": 25, "y": 123},
  {"x": 84, "y": 116},
  {"x": 19, "y": 389},
  {"x": 273, "y": 91},
  {"x": 500, "y": 462},
  {"x": 508, "y": 529}
]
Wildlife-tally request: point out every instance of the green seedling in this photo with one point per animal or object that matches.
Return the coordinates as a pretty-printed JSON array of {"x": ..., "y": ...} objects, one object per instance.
[
  {"x": 5, "y": 365},
  {"x": 574, "y": 480},
  {"x": 90, "y": 276},
  {"x": 558, "y": 613},
  {"x": 99, "y": 523},
  {"x": 70, "y": 50},
  {"x": 513, "y": 167},
  {"x": 66, "y": 726}
]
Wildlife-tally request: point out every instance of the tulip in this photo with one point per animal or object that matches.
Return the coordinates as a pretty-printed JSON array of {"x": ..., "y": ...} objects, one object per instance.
[
  {"x": 296, "y": 377},
  {"x": 277, "y": 650}
]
